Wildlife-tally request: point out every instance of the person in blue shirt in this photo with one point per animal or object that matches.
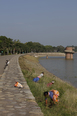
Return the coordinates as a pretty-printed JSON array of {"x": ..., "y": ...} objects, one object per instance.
[{"x": 53, "y": 94}]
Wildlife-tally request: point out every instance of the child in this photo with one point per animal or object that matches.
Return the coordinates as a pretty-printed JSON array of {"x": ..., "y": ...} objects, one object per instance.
[
  {"x": 38, "y": 77},
  {"x": 53, "y": 94},
  {"x": 49, "y": 84},
  {"x": 17, "y": 84},
  {"x": 7, "y": 63}
]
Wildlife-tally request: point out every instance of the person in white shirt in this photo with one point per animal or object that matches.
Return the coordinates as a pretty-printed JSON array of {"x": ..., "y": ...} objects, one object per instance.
[{"x": 38, "y": 77}]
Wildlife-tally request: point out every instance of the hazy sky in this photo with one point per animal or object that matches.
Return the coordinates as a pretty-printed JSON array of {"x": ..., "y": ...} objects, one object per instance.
[{"x": 49, "y": 22}]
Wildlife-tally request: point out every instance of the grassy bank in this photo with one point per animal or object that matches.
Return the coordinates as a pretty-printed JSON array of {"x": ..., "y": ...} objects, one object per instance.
[{"x": 67, "y": 105}]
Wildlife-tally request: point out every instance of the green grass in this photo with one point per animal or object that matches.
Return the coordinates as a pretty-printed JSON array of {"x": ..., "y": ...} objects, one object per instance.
[{"x": 67, "y": 105}]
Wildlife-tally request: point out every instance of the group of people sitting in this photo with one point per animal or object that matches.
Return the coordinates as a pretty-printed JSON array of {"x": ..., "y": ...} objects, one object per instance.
[{"x": 53, "y": 94}]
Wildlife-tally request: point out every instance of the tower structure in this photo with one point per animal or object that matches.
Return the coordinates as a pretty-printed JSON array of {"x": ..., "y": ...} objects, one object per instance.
[{"x": 69, "y": 53}]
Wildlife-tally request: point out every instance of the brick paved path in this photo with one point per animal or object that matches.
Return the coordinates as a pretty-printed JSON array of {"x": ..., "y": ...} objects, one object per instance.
[{"x": 16, "y": 101}]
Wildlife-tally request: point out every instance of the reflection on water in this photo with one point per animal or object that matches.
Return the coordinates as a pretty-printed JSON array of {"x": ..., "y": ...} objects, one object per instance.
[{"x": 62, "y": 68}]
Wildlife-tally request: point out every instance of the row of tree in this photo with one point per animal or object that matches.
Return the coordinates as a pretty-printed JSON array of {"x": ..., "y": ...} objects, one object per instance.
[{"x": 10, "y": 46}]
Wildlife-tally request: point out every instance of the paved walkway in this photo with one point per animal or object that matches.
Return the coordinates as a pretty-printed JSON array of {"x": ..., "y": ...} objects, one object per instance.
[{"x": 16, "y": 101}]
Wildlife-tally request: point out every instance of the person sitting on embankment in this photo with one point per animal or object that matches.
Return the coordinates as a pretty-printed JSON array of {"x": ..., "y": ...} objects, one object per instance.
[
  {"x": 49, "y": 84},
  {"x": 38, "y": 77},
  {"x": 17, "y": 84}
]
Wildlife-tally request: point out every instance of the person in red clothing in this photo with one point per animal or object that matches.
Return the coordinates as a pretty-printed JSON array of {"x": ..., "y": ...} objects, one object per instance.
[{"x": 49, "y": 84}]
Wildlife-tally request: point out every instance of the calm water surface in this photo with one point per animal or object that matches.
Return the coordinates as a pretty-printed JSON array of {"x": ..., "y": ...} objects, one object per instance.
[{"x": 62, "y": 68}]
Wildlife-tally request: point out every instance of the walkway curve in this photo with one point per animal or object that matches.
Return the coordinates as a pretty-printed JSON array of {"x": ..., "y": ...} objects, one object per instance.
[{"x": 16, "y": 101}]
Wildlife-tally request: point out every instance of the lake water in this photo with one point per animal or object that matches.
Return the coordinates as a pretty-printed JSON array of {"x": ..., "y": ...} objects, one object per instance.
[{"x": 62, "y": 68}]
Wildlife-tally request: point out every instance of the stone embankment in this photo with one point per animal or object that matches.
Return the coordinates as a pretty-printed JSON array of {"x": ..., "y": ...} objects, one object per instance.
[
  {"x": 48, "y": 54},
  {"x": 16, "y": 101}
]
